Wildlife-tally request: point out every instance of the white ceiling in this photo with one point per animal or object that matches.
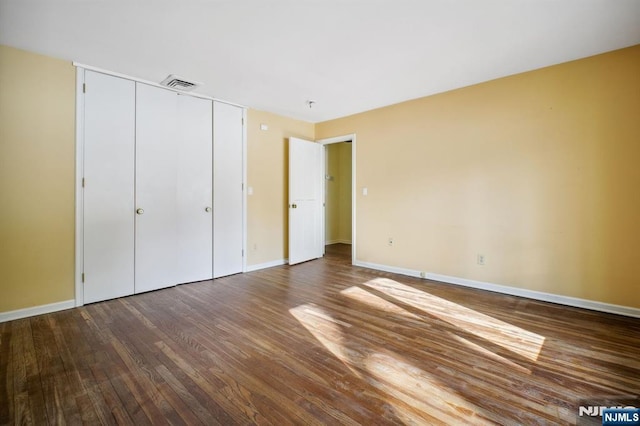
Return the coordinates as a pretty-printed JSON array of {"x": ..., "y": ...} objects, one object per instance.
[{"x": 347, "y": 55}]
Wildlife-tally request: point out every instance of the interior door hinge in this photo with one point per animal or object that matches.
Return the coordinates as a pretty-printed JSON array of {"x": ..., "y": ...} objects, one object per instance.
[
  {"x": 83, "y": 277},
  {"x": 83, "y": 182},
  {"x": 243, "y": 121},
  {"x": 84, "y": 87}
]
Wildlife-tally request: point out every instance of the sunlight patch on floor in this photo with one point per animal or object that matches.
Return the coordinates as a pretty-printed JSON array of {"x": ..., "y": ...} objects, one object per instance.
[
  {"x": 512, "y": 338},
  {"x": 327, "y": 330},
  {"x": 491, "y": 355},
  {"x": 363, "y": 296},
  {"x": 405, "y": 382}
]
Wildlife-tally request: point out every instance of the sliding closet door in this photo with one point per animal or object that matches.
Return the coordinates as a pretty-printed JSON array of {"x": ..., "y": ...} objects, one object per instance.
[
  {"x": 109, "y": 131},
  {"x": 156, "y": 184},
  {"x": 227, "y": 189},
  {"x": 194, "y": 191}
]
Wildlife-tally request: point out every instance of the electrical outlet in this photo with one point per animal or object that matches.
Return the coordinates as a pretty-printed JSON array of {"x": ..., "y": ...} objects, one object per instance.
[
  {"x": 390, "y": 242},
  {"x": 423, "y": 274},
  {"x": 481, "y": 259}
]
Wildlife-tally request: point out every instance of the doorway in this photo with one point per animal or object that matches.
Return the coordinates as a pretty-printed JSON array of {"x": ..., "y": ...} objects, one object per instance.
[
  {"x": 309, "y": 172},
  {"x": 338, "y": 201}
]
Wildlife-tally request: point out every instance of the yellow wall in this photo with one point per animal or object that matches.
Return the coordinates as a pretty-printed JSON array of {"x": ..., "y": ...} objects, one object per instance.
[
  {"x": 267, "y": 171},
  {"x": 37, "y": 143},
  {"x": 338, "y": 193},
  {"x": 539, "y": 172}
]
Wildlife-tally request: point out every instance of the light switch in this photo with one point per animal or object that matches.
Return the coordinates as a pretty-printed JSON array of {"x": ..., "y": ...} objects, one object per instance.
[
  {"x": 249, "y": 190},
  {"x": 365, "y": 191},
  {"x": 264, "y": 127}
]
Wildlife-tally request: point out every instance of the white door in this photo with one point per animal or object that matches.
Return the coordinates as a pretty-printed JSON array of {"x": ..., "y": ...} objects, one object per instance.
[
  {"x": 195, "y": 189},
  {"x": 109, "y": 148},
  {"x": 305, "y": 200},
  {"x": 227, "y": 189},
  {"x": 156, "y": 247}
]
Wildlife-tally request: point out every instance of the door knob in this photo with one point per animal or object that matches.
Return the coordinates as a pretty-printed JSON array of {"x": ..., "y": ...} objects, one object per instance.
[
  {"x": 140, "y": 211},
  {"x": 207, "y": 209}
]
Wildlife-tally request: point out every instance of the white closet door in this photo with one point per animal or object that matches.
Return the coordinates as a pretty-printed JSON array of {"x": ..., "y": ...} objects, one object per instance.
[
  {"x": 108, "y": 228},
  {"x": 156, "y": 183},
  {"x": 227, "y": 189},
  {"x": 195, "y": 189}
]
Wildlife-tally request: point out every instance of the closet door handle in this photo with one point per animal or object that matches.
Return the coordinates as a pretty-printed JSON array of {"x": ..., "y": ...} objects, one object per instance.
[
  {"x": 140, "y": 211},
  {"x": 207, "y": 209}
]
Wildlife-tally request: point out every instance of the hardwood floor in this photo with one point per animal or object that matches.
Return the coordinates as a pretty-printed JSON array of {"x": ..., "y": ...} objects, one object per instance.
[{"x": 318, "y": 343}]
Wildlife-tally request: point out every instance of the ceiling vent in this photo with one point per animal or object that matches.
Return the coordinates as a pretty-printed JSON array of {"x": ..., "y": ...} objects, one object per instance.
[{"x": 179, "y": 83}]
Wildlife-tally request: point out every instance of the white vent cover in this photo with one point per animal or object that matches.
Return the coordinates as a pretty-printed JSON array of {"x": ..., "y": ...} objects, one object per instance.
[{"x": 179, "y": 83}]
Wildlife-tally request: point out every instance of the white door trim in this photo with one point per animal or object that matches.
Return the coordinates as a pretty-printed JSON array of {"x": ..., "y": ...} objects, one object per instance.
[
  {"x": 79, "y": 255},
  {"x": 79, "y": 65},
  {"x": 337, "y": 139},
  {"x": 244, "y": 189}
]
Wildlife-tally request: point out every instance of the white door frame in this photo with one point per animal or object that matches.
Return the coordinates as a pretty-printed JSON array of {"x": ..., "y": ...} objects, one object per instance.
[
  {"x": 79, "y": 246},
  {"x": 338, "y": 139}
]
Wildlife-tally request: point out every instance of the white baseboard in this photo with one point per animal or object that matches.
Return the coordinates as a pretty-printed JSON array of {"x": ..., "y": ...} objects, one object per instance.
[
  {"x": 387, "y": 268},
  {"x": 539, "y": 295},
  {"x": 266, "y": 265},
  {"x": 328, "y": 243},
  {"x": 513, "y": 291},
  {"x": 36, "y": 310}
]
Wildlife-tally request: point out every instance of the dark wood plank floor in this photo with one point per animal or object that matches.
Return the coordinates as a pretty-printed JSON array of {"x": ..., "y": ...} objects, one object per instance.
[{"x": 318, "y": 343}]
